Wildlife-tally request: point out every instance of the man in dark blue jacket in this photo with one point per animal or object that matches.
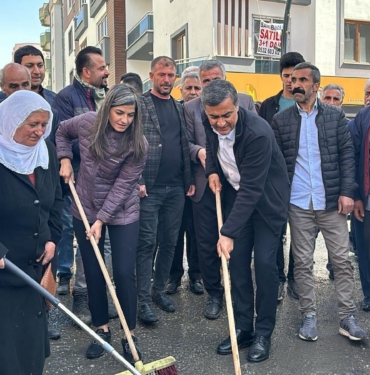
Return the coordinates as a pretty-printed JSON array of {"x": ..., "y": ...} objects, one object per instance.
[
  {"x": 360, "y": 131},
  {"x": 244, "y": 160}
]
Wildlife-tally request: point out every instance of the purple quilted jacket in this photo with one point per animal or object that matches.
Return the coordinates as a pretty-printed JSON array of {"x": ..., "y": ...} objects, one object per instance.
[{"x": 108, "y": 189}]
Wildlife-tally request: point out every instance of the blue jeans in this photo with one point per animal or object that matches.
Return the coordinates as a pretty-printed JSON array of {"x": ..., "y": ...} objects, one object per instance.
[
  {"x": 65, "y": 246},
  {"x": 160, "y": 211}
]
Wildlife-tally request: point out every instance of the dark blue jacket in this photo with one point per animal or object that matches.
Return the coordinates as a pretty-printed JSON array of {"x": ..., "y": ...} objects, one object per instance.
[
  {"x": 359, "y": 129},
  {"x": 48, "y": 95}
]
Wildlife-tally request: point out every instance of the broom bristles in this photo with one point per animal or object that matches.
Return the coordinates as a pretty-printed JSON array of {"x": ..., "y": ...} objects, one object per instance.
[{"x": 172, "y": 370}]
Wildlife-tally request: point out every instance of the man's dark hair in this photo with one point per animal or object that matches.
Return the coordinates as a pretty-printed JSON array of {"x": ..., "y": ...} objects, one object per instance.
[
  {"x": 26, "y": 51},
  {"x": 133, "y": 80},
  {"x": 315, "y": 72},
  {"x": 163, "y": 60},
  {"x": 290, "y": 60},
  {"x": 83, "y": 58},
  {"x": 217, "y": 91}
]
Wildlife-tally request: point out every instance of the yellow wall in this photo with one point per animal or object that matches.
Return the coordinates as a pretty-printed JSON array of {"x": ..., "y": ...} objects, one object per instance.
[{"x": 262, "y": 86}]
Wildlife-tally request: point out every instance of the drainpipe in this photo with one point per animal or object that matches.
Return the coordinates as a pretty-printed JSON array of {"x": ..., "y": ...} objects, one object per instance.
[{"x": 285, "y": 27}]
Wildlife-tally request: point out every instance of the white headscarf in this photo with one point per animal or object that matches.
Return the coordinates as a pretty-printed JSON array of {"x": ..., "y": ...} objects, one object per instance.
[{"x": 14, "y": 110}]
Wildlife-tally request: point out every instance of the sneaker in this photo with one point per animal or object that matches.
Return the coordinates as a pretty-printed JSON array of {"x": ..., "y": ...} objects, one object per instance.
[
  {"x": 365, "y": 304},
  {"x": 308, "y": 329},
  {"x": 80, "y": 307},
  {"x": 63, "y": 286},
  {"x": 281, "y": 292},
  {"x": 127, "y": 354},
  {"x": 95, "y": 350},
  {"x": 292, "y": 289},
  {"x": 350, "y": 328}
]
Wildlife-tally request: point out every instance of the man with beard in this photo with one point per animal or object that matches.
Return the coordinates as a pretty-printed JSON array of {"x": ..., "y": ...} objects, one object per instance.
[
  {"x": 166, "y": 179},
  {"x": 85, "y": 94},
  {"x": 271, "y": 106},
  {"x": 319, "y": 154}
]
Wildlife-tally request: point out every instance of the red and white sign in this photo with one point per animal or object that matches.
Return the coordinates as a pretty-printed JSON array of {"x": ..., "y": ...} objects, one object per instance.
[{"x": 269, "y": 39}]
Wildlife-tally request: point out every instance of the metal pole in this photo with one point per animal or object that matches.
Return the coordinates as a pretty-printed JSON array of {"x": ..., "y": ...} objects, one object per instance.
[{"x": 285, "y": 27}]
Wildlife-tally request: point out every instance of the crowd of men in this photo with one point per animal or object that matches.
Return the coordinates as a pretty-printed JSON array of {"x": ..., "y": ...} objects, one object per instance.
[{"x": 297, "y": 159}]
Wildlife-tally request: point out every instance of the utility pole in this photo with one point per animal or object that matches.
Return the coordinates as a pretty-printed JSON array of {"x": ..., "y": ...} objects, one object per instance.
[{"x": 285, "y": 27}]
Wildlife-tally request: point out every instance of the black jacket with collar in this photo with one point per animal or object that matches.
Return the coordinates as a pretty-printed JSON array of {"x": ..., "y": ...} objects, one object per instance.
[
  {"x": 264, "y": 184},
  {"x": 270, "y": 107},
  {"x": 336, "y": 148}
]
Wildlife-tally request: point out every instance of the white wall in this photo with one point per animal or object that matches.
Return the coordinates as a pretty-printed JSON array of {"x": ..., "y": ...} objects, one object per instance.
[
  {"x": 170, "y": 17},
  {"x": 135, "y": 11},
  {"x": 56, "y": 30},
  {"x": 358, "y": 10},
  {"x": 139, "y": 67}
]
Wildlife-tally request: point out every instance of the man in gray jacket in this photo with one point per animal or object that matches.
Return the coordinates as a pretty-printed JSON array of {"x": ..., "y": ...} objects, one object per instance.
[{"x": 204, "y": 204}]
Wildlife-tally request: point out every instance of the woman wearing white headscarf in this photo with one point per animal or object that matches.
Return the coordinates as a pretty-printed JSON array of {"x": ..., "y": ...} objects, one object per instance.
[{"x": 30, "y": 227}]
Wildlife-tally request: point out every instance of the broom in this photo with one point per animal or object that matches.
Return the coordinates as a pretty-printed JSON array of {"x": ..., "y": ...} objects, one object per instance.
[
  {"x": 229, "y": 306},
  {"x": 165, "y": 366},
  {"x": 55, "y": 302}
]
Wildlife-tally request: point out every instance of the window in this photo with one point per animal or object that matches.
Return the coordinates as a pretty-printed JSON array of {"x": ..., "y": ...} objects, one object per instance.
[
  {"x": 70, "y": 41},
  {"x": 70, "y": 4},
  {"x": 179, "y": 46},
  {"x": 357, "y": 41},
  {"x": 102, "y": 28},
  {"x": 264, "y": 63},
  {"x": 71, "y": 76},
  {"x": 82, "y": 2},
  {"x": 83, "y": 44}
]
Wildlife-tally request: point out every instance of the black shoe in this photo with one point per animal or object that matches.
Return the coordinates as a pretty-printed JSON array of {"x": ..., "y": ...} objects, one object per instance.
[
  {"x": 127, "y": 354},
  {"x": 365, "y": 304},
  {"x": 213, "y": 307},
  {"x": 95, "y": 350},
  {"x": 260, "y": 349},
  {"x": 292, "y": 289},
  {"x": 54, "y": 333},
  {"x": 329, "y": 267},
  {"x": 281, "y": 292},
  {"x": 163, "y": 302},
  {"x": 80, "y": 307},
  {"x": 63, "y": 286},
  {"x": 147, "y": 315},
  {"x": 196, "y": 286},
  {"x": 172, "y": 286},
  {"x": 243, "y": 338},
  {"x": 112, "y": 312}
]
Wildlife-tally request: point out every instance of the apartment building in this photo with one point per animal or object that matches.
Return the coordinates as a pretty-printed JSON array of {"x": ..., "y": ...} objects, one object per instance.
[{"x": 332, "y": 34}]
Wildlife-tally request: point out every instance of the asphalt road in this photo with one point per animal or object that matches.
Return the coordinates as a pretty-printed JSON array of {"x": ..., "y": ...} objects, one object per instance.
[{"x": 192, "y": 339}]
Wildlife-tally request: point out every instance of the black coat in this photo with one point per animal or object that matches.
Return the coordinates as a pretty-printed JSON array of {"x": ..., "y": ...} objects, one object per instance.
[
  {"x": 29, "y": 217},
  {"x": 270, "y": 107},
  {"x": 264, "y": 184},
  {"x": 336, "y": 149}
]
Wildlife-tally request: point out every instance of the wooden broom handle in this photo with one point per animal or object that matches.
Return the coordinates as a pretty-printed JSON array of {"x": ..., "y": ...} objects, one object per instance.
[
  {"x": 229, "y": 306},
  {"x": 103, "y": 268}
]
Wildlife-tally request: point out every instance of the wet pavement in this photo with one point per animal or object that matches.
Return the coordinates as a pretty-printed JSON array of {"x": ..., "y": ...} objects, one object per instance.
[{"x": 192, "y": 339}]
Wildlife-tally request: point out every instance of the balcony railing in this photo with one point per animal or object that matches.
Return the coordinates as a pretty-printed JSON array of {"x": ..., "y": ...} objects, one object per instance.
[
  {"x": 81, "y": 22},
  {"x": 182, "y": 64},
  {"x": 142, "y": 27},
  {"x": 44, "y": 15},
  {"x": 45, "y": 40}
]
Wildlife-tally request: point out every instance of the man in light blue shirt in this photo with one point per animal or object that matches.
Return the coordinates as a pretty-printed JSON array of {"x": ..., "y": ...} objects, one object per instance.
[{"x": 319, "y": 154}]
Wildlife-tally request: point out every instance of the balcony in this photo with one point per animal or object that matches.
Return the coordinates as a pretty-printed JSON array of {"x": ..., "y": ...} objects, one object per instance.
[
  {"x": 47, "y": 64},
  {"x": 44, "y": 15},
  {"x": 81, "y": 22},
  {"x": 140, "y": 40},
  {"x": 45, "y": 40},
  {"x": 95, "y": 6},
  {"x": 294, "y": 2}
]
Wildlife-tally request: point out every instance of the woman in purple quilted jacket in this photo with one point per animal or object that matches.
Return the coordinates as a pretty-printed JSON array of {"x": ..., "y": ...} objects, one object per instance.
[{"x": 113, "y": 152}]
